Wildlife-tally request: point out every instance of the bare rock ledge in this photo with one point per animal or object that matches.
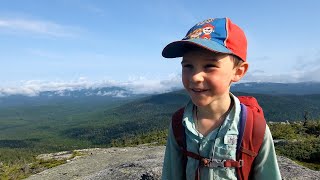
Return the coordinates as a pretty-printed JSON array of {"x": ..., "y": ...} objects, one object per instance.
[{"x": 136, "y": 163}]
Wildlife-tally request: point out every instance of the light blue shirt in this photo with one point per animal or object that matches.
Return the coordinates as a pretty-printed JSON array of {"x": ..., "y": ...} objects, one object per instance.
[{"x": 217, "y": 144}]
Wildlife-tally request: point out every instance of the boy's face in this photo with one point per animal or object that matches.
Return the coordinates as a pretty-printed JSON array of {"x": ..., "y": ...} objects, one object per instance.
[{"x": 207, "y": 76}]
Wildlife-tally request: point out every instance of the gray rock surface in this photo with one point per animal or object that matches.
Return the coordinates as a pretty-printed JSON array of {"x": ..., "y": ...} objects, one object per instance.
[
  {"x": 291, "y": 170},
  {"x": 137, "y": 163}
]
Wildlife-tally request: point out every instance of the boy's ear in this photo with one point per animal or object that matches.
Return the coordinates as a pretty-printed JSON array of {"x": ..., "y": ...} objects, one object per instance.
[{"x": 240, "y": 71}]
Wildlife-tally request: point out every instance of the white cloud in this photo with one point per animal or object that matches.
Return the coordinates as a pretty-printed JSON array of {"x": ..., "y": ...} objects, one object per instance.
[
  {"x": 34, "y": 87},
  {"x": 290, "y": 77},
  {"x": 136, "y": 85},
  {"x": 38, "y": 27},
  {"x": 112, "y": 93},
  {"x": 307, "y": 61},
  {"x": 144, "y": 85},
  {"x": 312, "y": 75}
]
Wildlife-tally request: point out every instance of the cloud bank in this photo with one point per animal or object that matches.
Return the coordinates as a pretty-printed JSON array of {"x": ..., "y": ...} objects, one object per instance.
[
  {"x": 144, "y": 85},
  {"x": 140, "y": 85},
  {"x": 296, "y": 76}
]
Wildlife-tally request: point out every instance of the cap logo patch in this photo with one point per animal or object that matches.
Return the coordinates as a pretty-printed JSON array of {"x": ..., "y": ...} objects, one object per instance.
[{"x": 203, "y": 32}]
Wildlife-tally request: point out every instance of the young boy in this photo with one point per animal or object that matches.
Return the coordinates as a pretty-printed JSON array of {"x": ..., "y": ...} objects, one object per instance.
[{"x": 213, "y": 56}]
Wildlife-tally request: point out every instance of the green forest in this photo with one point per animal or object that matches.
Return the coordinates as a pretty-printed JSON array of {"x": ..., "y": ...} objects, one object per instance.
[{"x": 27, "y": 130}]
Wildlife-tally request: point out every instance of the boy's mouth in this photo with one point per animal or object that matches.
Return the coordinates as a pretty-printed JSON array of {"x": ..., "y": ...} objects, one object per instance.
[{"x": 198, "y": 90}]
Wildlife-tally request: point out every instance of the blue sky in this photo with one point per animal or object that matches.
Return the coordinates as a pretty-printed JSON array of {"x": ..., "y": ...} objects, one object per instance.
[{"x": 72, "y": 43}]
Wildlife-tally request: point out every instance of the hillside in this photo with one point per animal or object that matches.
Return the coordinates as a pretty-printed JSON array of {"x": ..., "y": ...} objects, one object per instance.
[
  {"x": 90, "y": 121},
  {"x": 154, "y": 112},
  {"x": 296, "y": 141},
  {"x": 47, "y": 124},
  {"x": 142, "y": 162}
]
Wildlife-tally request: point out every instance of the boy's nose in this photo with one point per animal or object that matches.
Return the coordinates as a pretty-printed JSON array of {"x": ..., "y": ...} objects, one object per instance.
[{"x": 197, "y": 77}]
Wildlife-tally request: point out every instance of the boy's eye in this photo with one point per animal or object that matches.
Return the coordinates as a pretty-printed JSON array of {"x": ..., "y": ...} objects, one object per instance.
[
  {"x": 210, "y": 66},
  {"x": 187, "y": 65}
]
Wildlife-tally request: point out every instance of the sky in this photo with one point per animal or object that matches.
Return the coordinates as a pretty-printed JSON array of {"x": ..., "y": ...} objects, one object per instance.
[{"x": 56, "y": 44}]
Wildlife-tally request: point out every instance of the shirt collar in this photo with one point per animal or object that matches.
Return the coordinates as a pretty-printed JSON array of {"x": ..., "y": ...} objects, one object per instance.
[{"x": 189, "y": 123}]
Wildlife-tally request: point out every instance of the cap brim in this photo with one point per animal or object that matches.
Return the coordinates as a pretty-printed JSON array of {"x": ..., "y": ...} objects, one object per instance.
[{"x": 179, "y": 48}]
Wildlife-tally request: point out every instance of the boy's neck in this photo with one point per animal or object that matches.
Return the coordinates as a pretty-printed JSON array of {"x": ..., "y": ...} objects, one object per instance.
[{"x": 216, "y": 109}]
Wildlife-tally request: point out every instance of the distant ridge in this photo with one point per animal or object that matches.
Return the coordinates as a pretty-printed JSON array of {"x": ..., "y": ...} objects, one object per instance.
[{"x": 301, "y": 88}]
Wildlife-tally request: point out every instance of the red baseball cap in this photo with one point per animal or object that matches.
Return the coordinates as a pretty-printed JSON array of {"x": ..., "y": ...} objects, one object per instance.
[{"x": 226, "y": 37}]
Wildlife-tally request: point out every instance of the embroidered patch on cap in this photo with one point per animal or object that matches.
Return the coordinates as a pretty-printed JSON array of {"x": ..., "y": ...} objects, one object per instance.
[{"x": 230, "y": 139}]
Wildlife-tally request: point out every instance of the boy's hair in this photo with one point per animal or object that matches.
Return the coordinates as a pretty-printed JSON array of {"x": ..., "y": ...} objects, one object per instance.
[
  {"x": 236, "y": 60},
  {"x": 223, "y": 36}
]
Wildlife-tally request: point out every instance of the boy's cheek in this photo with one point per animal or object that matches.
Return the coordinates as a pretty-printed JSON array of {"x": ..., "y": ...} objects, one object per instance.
[
  {"x": 185, "y": 83},
  {"x": 184, "y": 79}
]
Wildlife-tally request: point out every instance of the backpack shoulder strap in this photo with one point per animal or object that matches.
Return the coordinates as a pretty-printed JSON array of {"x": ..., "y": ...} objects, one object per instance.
[
  {"x": 179, "y": 135},
  {"x": 251, "y": 134},
  {"x": 178, "y": 128}
]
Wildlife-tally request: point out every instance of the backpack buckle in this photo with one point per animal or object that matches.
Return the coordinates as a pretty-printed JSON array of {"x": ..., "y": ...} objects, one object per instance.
[
  {"x": 241, "y": 162},
  {"x": 212, "y": 163}
]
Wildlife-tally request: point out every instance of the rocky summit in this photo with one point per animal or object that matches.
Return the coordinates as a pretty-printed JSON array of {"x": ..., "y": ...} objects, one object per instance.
[{"x": 135, "y": 163}]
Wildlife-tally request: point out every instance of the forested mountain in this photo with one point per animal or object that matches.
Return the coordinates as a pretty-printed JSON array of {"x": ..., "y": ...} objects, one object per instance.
[
  {"x": 154, "y": 112},
  {"x": 53, "y": 123}
]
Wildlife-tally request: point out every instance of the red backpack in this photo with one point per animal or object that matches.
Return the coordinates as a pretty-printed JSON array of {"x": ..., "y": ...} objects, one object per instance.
[{"x": 250, "y": 138}]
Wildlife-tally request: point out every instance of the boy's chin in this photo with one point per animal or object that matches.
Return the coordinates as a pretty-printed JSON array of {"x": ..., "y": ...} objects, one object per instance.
[{"x": 200, "y": 103}]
